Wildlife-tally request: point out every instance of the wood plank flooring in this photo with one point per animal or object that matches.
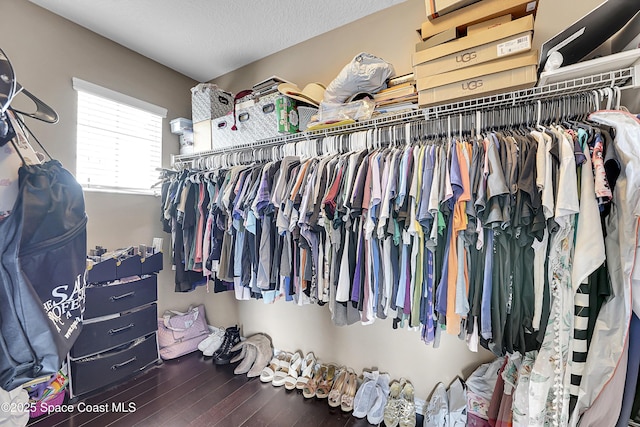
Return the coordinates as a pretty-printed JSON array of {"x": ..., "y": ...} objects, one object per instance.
[{"x": 192, "y": 391}]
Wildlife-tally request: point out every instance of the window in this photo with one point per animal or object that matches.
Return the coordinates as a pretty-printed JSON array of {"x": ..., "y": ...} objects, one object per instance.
[{"x": 119, "y": 142}]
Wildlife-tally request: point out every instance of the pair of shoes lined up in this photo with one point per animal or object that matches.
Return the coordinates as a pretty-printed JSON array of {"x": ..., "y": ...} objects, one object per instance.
[
  {"x": 371, "y": 398},
  {"x": 344, "y": 389},
  {"x": 253, "y": 354},
  {"x": 212, "y": 342},
  {"x": 219, "y": 345},
  {"x": 337, "y": 384},
  {"x": 449, "y": 407},
  {"x": 277, "y": 369},
  {"x": 291, "y": 370},
  {"x": 400, "y": 408},
  {"x": 325, "y": 381},
  {"x": 299, "y": 370}
]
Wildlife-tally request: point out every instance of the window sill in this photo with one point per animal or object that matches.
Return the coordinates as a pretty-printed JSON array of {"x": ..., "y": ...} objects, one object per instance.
[{"x": 131, "y": 191}]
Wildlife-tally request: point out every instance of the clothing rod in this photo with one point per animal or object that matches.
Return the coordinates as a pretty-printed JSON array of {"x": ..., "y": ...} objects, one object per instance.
[{"x": 626, "y": 78}]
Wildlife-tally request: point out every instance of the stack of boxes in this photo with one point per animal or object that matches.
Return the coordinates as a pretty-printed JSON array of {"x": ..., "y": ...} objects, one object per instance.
[
  {"x": 208, "y": 102},
  {"x": 262, "y": 113},
  {"x": 475, "y": 50}
]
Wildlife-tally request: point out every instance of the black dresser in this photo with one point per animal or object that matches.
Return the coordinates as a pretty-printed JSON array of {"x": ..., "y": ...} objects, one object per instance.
[{"x": 119, "y": 334}]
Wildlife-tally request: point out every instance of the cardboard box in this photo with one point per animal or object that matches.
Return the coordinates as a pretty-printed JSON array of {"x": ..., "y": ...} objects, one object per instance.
[
  {"x": 478, "y": 12},
  {"x": 477, "y": 55},
  {"x": 515, "y": 79},
  {"x": 485, "y": 25},
  {"x": 438, "y": 39},
  {"x": 501, "y": 32},
  {"x": 436, "y": 8},
  {"x": 478, "y": 71}
]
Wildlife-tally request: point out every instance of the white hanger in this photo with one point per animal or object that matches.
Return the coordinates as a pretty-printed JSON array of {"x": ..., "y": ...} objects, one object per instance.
[
  {"x": 538, "y": 116},
  {"x": 618, "y": 96}
]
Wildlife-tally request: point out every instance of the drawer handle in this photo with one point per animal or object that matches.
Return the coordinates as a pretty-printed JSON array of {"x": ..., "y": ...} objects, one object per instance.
[
  {"x": 124, "y": 328},
  {"x": 126, "y": 362},
  {"x": 115, "y": 298}
]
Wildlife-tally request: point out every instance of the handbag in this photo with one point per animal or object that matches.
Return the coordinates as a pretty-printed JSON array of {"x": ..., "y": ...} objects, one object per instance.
[
  {"x": 43, "y": 252},
  {"x": 180, "y": 333}
]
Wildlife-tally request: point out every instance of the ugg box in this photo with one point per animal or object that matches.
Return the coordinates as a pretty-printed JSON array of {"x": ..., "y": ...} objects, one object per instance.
[
  {"x": 513, "y": 73},
  {"x": 208, "y": 102},
  {"x": 495, "y": 43},
  {"x": 436, "y": 8},
  {"x": 477, "y": 55},
  {"x": 478, "y": 12}
]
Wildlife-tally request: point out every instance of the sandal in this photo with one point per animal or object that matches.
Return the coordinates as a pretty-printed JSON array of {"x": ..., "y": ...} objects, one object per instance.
[
  {"x": 309, "y": 389},
  {"x": 339, "y": 387},
  {"x": 266, "y": 376},
  {"x": 327, "y": 382},
  {"x": 407, "y": 413},
  {"x": 294, "y": 371},
  {"x": 281, "y": 374},
  {"x": 346, "y": 401},
  {"x": 307, "y": 370},
  {"x": 392, "y": 408}
]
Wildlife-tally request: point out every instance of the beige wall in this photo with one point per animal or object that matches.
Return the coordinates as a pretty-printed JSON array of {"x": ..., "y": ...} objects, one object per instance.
[
  {"x": 46, "y": 51},
  {"x": 390, "y": 34}
]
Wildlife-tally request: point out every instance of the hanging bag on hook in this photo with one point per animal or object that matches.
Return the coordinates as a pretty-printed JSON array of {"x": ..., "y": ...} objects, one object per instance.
[{"x": 42, "y": 294}]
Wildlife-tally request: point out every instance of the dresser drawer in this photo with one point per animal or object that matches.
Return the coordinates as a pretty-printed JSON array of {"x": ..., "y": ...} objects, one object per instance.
[
  {"x": 104, "y": 335},
  {"x": 93, "y": 373},
  {"x": 105, "y": 300}
]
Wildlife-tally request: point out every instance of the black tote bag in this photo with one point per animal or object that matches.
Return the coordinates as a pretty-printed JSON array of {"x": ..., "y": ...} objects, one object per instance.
[{"x": 42, "y": 279}]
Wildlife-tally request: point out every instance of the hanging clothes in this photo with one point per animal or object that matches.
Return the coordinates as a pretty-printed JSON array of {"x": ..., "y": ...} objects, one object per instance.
[{"x": 496, "y": 239}]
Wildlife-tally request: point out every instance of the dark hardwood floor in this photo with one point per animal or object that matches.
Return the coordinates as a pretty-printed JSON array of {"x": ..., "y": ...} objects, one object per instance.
[{"x": 192, "y": 391}]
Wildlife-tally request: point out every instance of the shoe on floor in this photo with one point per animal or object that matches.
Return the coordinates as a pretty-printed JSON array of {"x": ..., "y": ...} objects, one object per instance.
[
  {"x": 437, "y": 410},
  {"x": 306, "y": 371},
  {"x": 407, "y": 413},
  {"x": 224, "y": 354},
  {"x": 392, "y": 408},
  {"x": 366, "y": 394},
  {"x": 210, "y": 344},
  {"x": 295, "y": 369}
]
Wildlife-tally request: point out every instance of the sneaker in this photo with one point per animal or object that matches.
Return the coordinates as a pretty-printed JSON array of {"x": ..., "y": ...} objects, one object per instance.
[
  {"x": 212, "y": 343},
  {"x": 223, "y": 355}
]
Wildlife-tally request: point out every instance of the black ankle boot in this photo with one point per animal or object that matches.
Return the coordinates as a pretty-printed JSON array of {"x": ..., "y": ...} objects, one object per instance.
[{"x": 224, "y": 353}]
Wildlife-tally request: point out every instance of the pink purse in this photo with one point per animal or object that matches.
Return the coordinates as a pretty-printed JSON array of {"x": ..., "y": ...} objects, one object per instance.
[{"x": 180, "y": 333}]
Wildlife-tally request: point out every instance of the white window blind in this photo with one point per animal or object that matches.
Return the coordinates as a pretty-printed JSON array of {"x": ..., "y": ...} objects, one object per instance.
[{"x": 119, "y": 145}]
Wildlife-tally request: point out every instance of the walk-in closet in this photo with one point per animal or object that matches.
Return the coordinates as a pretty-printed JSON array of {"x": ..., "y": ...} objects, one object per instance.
[{"x": 389, "y": 213}]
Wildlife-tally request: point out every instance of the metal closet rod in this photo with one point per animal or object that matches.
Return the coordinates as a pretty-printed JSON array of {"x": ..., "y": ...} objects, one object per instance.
[{"x": 625, "y": 78}]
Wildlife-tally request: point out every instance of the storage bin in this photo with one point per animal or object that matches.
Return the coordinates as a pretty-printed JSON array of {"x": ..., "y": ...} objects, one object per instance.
[
  {"x": 304, "y": 115},
  {"x": 106, "y": 300},
  {"x": 221, "y": 134},
  {"x": 95, "y": 372},
  {"x": 113, "y": 269},
  {"x": 180, "y": 125},
  {"x": 97, "y": 337},
  {"x": 257, "y": 118},
  {"x": 208, "y": 102}
]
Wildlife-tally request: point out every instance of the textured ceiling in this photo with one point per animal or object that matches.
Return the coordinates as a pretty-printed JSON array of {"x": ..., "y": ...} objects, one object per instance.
[{"x": 204, "y": 39}]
